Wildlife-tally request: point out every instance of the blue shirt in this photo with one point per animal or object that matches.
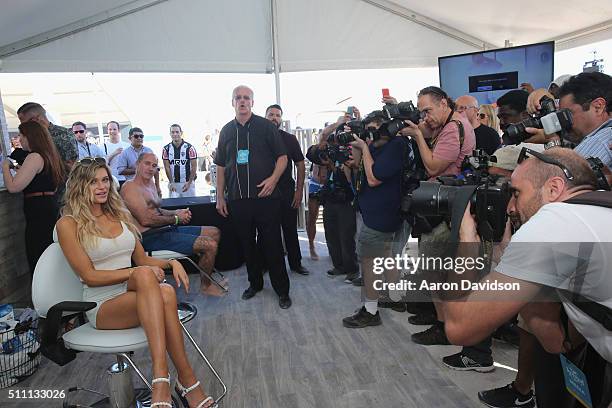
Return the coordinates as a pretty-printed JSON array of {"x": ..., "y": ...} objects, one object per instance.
[
  {"x": 87, "y": 149},
  {"x": 596, "y": 144},
  {"x": 380, "y": 205},
  {"x": 127, "y": 159}
]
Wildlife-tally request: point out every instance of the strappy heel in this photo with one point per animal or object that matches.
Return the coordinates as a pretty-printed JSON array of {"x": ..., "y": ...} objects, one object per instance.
[
  {"x": 183, "y": 391},
  {"x": 161, "y": 403}
]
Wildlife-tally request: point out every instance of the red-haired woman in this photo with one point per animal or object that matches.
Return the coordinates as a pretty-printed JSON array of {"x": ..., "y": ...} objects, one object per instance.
[{"x": 38, "y": 177}]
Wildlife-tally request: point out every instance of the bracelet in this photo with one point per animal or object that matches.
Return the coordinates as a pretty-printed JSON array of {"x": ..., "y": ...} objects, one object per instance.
[
  {"x": 176, "y": 219},
  {"x": 130, "y": 274},
  {"x": 551, "y": 144}
]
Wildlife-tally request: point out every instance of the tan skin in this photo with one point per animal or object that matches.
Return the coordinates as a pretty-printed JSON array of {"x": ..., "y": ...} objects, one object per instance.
[
  {"x": 147, "y": 303},
  {"x": 141, "y": 198}
]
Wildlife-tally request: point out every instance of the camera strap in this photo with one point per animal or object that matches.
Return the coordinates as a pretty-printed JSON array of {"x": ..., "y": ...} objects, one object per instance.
[{"x": 459, "y": 126}]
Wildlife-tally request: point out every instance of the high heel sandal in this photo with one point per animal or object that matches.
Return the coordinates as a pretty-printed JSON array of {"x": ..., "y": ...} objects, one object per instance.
[
  {"x": 160, "y": 403},
  {"x": 183, "y": 391}
]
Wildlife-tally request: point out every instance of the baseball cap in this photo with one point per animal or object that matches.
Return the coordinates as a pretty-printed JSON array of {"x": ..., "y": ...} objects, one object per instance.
[{"x": 507, "y": 156}]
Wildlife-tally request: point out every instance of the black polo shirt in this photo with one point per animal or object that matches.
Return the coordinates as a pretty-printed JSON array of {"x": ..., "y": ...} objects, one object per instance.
[
  {"x": 294, "y": 155},
  {"x": 249, "y": 155}
]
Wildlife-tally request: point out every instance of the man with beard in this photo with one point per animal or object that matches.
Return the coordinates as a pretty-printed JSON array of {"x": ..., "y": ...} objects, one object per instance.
[
  {"x": 542, "y": 187},
  {"x": 290, "y": 191}
]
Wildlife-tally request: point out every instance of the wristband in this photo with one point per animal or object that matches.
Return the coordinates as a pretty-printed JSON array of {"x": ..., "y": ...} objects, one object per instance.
[{"x": 176, "y": 220}]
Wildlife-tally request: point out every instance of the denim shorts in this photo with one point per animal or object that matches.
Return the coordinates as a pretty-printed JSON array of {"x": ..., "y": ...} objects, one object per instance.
[{"x": 173, "y": 238}]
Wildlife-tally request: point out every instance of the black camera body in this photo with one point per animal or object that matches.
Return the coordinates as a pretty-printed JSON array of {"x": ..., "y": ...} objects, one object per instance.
[
  {"x": 549, "y": 118},
  {"x": 488, "y": 195},
  {"x": 396, "y": 115}
]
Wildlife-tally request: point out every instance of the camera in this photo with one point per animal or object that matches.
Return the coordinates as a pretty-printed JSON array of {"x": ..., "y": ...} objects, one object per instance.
[
  {"x": 396, "y": 115},
  {"x": 488, "y": 195},
  {"x": 598, "y": 168},
  {"x": 549, "y": 118},
  {"x": 344, "y": 138}
]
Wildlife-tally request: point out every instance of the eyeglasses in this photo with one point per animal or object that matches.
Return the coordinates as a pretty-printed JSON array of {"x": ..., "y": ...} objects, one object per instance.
[
  {"x": 138, "y": 136},
  {"x": 525, "y": 151},
  {"x": 482, "y": 115},
  {"x": 78, "y": 131},
  {"x": 461, "y": 108},
  {"x": 90, "y": 160}
]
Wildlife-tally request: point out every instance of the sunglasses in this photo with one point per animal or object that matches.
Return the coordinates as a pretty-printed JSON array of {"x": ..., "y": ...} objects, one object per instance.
[
  {"x": 138, "y": 136},
  {"x": 482, "y": 115},
  {"x": 526, "y": 152},
  {"x": 90, "y": 160},
  {"x": 78, "y": 131}
]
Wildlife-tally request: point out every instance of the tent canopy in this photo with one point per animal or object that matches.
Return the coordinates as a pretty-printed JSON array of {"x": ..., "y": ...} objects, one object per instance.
[{"x": 262, "y": 36}]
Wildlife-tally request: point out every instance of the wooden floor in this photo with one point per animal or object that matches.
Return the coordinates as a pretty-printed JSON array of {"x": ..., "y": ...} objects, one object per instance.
[{"x": 302, "y": 357}]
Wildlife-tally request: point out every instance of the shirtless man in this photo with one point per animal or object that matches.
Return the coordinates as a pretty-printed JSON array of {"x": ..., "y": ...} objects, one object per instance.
[{"x": 165, "y": 229}]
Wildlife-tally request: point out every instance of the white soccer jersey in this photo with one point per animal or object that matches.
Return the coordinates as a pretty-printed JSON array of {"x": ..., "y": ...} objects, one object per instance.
[{"x": 179, "y": 158}]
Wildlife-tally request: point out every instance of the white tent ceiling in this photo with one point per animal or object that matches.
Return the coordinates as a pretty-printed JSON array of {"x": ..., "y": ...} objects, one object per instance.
[{"x": 245, "y": 35}]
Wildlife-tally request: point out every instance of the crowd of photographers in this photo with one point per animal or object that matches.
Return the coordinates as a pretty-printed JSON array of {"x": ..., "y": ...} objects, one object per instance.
[{"x": 427, "y": 170}]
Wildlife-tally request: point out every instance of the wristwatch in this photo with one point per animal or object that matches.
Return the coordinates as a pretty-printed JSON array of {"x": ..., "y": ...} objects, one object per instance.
[{"x": 552, "y": 143}]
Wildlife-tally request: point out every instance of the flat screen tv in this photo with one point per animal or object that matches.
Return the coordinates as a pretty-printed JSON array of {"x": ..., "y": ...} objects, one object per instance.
[{"x": 487, "y": 75}]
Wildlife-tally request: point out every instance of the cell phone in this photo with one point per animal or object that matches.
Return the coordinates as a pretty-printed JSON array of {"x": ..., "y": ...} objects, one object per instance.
[
  {"x": 385, "y": 92},
  {"x": 350, "y": 110}
]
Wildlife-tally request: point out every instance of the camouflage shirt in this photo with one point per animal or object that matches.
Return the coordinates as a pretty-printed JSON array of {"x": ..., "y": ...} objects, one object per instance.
[{"x": 65, "y": 142}]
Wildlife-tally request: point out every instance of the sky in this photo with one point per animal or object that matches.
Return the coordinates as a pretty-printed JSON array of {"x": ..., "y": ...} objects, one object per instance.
[{"x": 201, "y": 103}]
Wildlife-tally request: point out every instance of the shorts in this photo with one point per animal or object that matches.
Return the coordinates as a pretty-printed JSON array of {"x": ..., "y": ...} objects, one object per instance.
[
  {"x": 314, "y": 189},
  {"x": 101, "y": 294},
  {"x": 372, "y": 243},
  {"x": 172, "y": 238}
]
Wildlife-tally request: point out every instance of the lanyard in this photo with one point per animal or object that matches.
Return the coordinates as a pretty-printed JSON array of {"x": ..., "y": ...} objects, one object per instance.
[{"x": 248, "y": 162}]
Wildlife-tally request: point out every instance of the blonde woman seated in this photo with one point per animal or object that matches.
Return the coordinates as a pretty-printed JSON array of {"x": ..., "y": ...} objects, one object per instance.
[{"x": 100, "y": 243}]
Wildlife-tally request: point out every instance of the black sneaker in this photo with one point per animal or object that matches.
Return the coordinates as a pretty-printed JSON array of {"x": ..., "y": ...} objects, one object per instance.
[
  {"x": 387, "y": 303},
  {"x": 462, "y": 362},
  {"x": 506, "y": 397},
  {"x": 423, "y": 319},
  {"x": 350, "y": 277},
  {"x": 362, "y": 319},
  {"x": 332, "y": 273},
  {"x": 435, "y": 335},
  {"x": 358, "y": 281}
]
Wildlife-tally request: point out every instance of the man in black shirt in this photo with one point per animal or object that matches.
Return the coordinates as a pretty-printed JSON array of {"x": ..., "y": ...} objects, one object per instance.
[
  {"x": 290, "y": 192},
  {"x": 487, "y": 138},
  {"x": 251, "y": 158}
]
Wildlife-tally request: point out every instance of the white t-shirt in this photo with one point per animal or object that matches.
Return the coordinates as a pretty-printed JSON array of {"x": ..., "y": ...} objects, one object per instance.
[
  {"x": 554, "y": 263},
  {"x": 109, "y": 147}
]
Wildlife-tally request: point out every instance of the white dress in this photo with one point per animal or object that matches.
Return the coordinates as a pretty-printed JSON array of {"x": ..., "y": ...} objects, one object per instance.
[{"x": 110, "y": 254}]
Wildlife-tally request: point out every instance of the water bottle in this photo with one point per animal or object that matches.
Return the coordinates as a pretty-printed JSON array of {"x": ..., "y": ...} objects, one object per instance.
[{"x": 213, "y": 195}]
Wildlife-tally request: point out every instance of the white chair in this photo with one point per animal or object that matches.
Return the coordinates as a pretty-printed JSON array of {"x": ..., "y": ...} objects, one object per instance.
[{"x": 57, "y": 293}]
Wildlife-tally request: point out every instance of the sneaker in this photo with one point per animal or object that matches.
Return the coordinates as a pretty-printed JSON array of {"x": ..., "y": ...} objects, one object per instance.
[
  {"x": 435, "y": 335},
  {"x": 358, "y": 281},
  {"x": 462, "y": 362},
  {"x": 387, "y": 303},
  {"x": 332, "y": 273},
  {"x": 423, "y": 319},
  {"x": 507, "y": 397},
  {"x": 350, "y": 277},
  {"x": 362, "y": 318}
]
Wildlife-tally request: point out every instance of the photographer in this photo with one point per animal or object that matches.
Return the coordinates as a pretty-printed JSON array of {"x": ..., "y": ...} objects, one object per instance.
[
  {"x": 588, "y": 96},
  {"x": 444, "y": 137},
  {"x": 552, "y": 197},
  {"x": 379, "y": 191},
  {"x": 336, "y": 196}
]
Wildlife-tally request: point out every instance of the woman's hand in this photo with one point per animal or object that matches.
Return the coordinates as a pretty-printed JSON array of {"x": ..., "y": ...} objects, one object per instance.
[{"x": 180, "y": 276}]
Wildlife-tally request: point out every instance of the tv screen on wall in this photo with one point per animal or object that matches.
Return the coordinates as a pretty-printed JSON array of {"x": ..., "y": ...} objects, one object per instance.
[{"x": 489, "y": 74}]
